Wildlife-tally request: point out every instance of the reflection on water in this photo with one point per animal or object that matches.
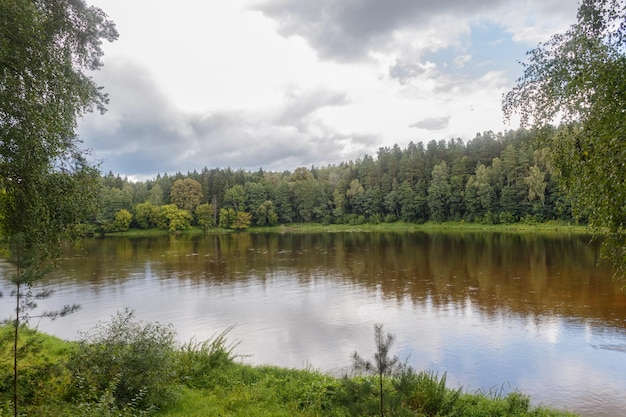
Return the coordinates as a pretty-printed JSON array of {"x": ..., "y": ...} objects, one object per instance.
[{"x": 494, "y": 311}]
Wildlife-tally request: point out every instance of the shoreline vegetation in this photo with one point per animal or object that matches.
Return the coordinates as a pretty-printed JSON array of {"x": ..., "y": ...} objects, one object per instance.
[
  {"x": 399, "y": 226},
  {"x": 128, "y": 368}
]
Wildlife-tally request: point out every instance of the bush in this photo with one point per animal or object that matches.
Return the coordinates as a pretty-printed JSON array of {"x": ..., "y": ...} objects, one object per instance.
[
  {"x": 41, "y": 373},
  {"x": 390, "y": 218},
  {"x": 139, "y": 356},
  {"x": 507, "y": 218},
  {"x": 197, "y": 361},
  {"x": 429, "y": 395}
]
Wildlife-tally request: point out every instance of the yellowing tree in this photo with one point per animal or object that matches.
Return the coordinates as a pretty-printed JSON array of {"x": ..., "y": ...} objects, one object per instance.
[{"x": 186, "y": 194}]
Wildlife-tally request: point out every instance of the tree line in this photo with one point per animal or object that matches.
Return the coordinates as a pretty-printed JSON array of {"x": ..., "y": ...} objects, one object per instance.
[{"x": 493, "y": 178}]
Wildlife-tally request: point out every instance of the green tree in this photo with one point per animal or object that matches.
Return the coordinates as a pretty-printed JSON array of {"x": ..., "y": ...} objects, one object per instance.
[
  {"x": 186, "y": 194},
  {"x": 228, "y": 216},
  {"x": 480, "y": 195},
  {"x": 235, "y": 197},
  {"x": 122, "y": 221},
  {"x": 255, "y": 197},
  {"x": 173, "y": 219},
  {"x": 283, "y": 202},
  {"x": 305, "y": 193},
  {"x": 579, "y": 79},
  {"x": 439, "y": 192},
  {"x": 536, "y": 184},
  {"x": 242, "y": 220},
  {"x": 155, "y": 195},
  {"x": 46, "y": 47},
  {"x": 266, "y": 214},
  {"x": 355, "y": 194},
  {"x": 146, "y": 215},
  {"x": 113, "y": 200},
  {"x": 383, "y": 365},
  {"x": 205, "y": 216}
]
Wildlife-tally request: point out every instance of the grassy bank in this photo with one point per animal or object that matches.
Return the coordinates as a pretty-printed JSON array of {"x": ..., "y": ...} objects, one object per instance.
[
  {"x": 397, "y": 227},
  {"x": 116, "y": 370}
]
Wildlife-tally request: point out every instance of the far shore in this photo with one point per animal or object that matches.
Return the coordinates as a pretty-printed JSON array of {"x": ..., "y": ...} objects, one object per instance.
[{"x": 460, "y": 226}]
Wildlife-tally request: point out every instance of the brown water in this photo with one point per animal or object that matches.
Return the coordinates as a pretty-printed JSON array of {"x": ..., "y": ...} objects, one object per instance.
[{"x": 497, "y": 312}]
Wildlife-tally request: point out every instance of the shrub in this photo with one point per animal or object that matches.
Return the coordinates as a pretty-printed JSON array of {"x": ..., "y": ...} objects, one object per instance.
[
  {"x": 390, "y": 218},
  {"x": 429, "y": 395},
  {"x": 139, "y": 356},
  {"x": 197, "y": 361}
]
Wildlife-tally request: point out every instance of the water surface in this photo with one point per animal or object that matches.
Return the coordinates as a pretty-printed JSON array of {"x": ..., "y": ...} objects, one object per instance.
[{"x": 497, "y": 312}]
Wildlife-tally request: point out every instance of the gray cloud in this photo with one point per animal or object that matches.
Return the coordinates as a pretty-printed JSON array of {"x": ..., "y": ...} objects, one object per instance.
[
  {"x": 300, "y": 105},
  {"x": 142, "y": 134},
  {"x": 432, "y": 123},
  {"x": 347, "y": 30}
]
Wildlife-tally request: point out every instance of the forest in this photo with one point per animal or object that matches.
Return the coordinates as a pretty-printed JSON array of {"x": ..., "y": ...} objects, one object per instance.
[{"x": 493, "y": 179}]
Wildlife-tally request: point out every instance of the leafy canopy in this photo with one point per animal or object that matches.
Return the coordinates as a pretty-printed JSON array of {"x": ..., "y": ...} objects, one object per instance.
[
  {"x": 46, "y": 49},
  {"x": 578, "y": 79}
]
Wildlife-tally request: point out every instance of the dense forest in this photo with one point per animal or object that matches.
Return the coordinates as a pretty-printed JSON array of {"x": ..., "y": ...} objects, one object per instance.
[{"x": 492, "y": 178}]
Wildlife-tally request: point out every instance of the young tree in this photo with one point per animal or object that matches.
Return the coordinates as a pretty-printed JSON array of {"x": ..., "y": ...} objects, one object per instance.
[
  {"x": 45, "y": 49},
  {"x": 383, "y": 364},
  {"x": 579, "y": 79}
]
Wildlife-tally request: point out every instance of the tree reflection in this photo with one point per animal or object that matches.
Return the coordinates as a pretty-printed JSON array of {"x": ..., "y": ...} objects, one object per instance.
[{"x": 526, "y": 274}]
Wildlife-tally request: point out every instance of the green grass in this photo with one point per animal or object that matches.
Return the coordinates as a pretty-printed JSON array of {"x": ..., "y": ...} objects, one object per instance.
[
  {"x": 228, "y": 387},
  {"x": 399, "y": 226}
]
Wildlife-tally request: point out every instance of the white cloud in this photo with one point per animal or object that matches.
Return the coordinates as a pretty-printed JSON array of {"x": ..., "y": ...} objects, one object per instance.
[{"x": 283, "y": 83}]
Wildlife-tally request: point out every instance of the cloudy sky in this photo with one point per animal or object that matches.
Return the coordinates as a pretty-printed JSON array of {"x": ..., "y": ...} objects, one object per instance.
[{"x": 278, "y": 84}]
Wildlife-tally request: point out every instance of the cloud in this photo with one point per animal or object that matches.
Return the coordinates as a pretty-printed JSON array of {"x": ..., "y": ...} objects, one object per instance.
[
  {"x": 143, "y": 133},
  {"x": 432, "y": 123},
  {"x": 348, "y": 30},
  {"x": 285, "y": 83}
]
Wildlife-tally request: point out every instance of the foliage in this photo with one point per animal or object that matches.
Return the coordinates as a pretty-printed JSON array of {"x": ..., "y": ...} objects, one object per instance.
[
  {"x": 46, "y": 185},
  {"x": 138, "y": 356},
  {"x": 425, "y": 393},
  {"x": 122, "y": 221},
  {"x": 493, "y": 178},
  {"x": 242, "y": 221},
  {"x": 266, "y": 214},
  {"x": 41, "y": 371},
  {"x": 92, "y": 403},
  {"x": 186, "y": 194},
  {"x": 383, "y": 365},
  {"x": 173, "y": 219},
  {"x": 196, "y": 361},
  {"x": 217, "y": 384},
  {"x": 578, "y": 79},
  {"x": 146, "y": 215},
  {"x": 205, "y": 216},
  {"x": 227, "y": 217}
]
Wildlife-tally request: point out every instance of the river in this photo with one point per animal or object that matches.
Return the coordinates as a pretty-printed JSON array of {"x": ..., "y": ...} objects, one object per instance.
[{"x": 495, "y": 311}]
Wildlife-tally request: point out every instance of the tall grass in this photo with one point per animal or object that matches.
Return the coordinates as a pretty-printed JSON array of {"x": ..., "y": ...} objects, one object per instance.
[{"x": 212, "y": 380}]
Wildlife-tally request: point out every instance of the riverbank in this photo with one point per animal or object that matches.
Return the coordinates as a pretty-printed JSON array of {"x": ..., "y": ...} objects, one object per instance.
[
  {"x": 558, "y": 227},
  {"x": 398, "y": 227},
  {"x": 209, "y": 379}
]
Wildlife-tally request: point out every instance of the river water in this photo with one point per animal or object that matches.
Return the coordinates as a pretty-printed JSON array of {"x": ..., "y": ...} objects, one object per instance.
[{"x": 496, "y": 312}]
